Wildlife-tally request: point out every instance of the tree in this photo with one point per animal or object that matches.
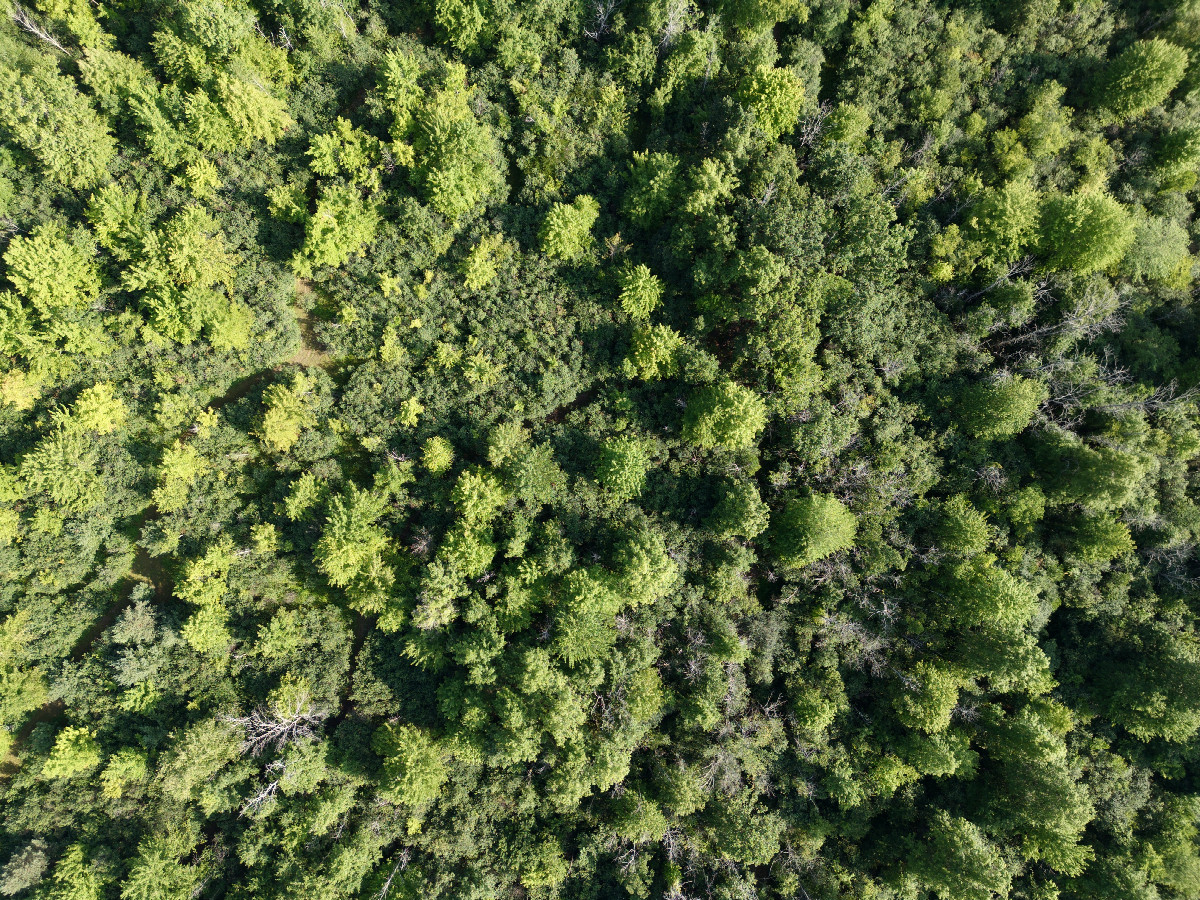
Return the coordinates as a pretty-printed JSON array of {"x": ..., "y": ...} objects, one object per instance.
[
  {"x": 288, "y": 412},
  {"x": 645, "y": 570},
  {"x": 479, "y": 496},
  {"x": 583, "y": 622},
  {"x": 725, "y": 415},
  {"x": 622, "y": 467},
  {"x": 775, "y": 97},
  {"x": 255, "y": 114},
  {"x": 75, "y": 751},
  {"x": 1084, "y": 232},
  {"x": 1140, "y": 78},
  {"x": 183, "y": 272},
  {"x": 479, "y": 267},
  {"x": 1005, "y": 222},
  {"x": 1001, "y": 409},
  {"x": 46, "y": 116},
  {"x": 52, "y": 273},
  {"x": 957, "y": 860},
  {"x": 341, "y": 225},
  {"x": 811, "y": 528},
  {"x": 62, "y": 466},
  {"x": 181, "y": 466},
  {"x": 157, "y": 873},
  {"x": 654, "y": 353},
  {"x": 459, "y": 164},
  {"x": 653, "y": 187},
  {"x": 414, "y": 767},
  {"x": 25, "y": 868},
  {"x": 641, "y": 292},
  {"x": 98, "y": 410},
  {"x": 978, "y": 592},
  {"x": 437, "y": 455},
  {"x": 740, "y": 512},
  {"x": 460, "y": 22},
  {"x": 350, "y": 541},
  {"x": 566, "y": 233},
  {"x": 930, "y": 695},
  {"x": 963, "y": 529}
]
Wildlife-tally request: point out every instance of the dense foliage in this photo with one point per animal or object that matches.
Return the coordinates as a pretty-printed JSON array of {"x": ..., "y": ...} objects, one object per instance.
[{"x": 634, "y": 448}]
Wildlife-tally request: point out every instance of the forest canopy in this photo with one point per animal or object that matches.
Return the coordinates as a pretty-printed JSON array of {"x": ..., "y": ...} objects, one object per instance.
[{"x": 586, "y": 449}]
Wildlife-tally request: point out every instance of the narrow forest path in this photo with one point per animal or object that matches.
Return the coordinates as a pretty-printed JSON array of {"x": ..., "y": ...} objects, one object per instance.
[{"x": 309, "y": 353}]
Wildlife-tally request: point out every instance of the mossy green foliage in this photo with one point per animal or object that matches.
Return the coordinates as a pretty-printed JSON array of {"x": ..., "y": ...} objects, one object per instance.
[{"x": 512, "y": 449}]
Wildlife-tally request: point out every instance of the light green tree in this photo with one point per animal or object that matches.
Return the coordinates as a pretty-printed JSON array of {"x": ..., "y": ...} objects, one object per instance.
[
  {"x": 811, "y": 528},
  {"x": 641, "y": 292},
  {"x": 1141, "y": 77},
  {"x": 566, "y": 232},
  {"x": 654, "y": 352},
  {"x": 75, "y": 750},
  {"x": 437, "y": 455},
  {"x": 622, "y": 466},
  {"x": 1001, "y": 409},
  {"x": 740, "y": 512},
  {"x": 1084, "y": 232},
  {"x": 181, "y": 466},
  {"x": 414, "y": 767},
  {"x": 775, "y": 97},
  {"x": 49, "y": 118},
  {"x": 350, "y": 541},
  {"x": 725, "y": 415},
  {"x": 342, "y": 224},
  {"x": 929, "y": 697},
  {"x": 957, "y": 860},
  {"x": 288, "y": 412},
  {"x": 653, "y": 187}
]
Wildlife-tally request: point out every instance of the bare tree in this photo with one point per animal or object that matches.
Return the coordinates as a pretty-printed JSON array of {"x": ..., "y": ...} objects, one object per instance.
[
  {"x": 604, "y": 11},
  {"x": 679, "y": 12},
  {"x": 275, "y": 727},
  {"x": 27, "y": 23}
]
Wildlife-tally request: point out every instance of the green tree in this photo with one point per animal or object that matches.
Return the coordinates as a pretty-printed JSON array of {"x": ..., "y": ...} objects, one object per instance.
[
  {"x": 75, "y": 751},
  {"x": 459, "y": 163},
  {"x": 181, "y": 466},
  {"x": 775, "y": 97},
  {"x": 654, "y": 352},
  {"x": 1141, "y": 77},
  {"x": 437, "y": 455},
  {"x": 622, "y": 467},
  {"x": 342, "y": 224},
  {"x": 811, "y": 528},
  {"x": 962, "y": 529},
  {"x": 583, "y": 621},
  {"x": 460, "y": 22},
  {"x": 414, "y": 767},
  {"x": 350, "y": 541},
  {"x": 740, "y": 512},
  {"x": 1000, "y": 409},
  {"x": 1005, "y": 222},
  {"x": 288, "y": 412},
  {"x": 641, "y": 292},
  {"x": 725, "y": 415},
  {"x": 930, "y": 695},
  {"x": 653, "y": 187},
  {"x": 1084, "y": 232},
  {"x": 46, "y": 116},
  {"x": 957, "y": 860},
  {"x": 566, "y": 233}
]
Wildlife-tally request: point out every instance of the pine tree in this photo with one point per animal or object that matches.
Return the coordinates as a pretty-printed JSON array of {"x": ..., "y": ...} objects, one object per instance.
[{"x": 46, "y": 116}]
